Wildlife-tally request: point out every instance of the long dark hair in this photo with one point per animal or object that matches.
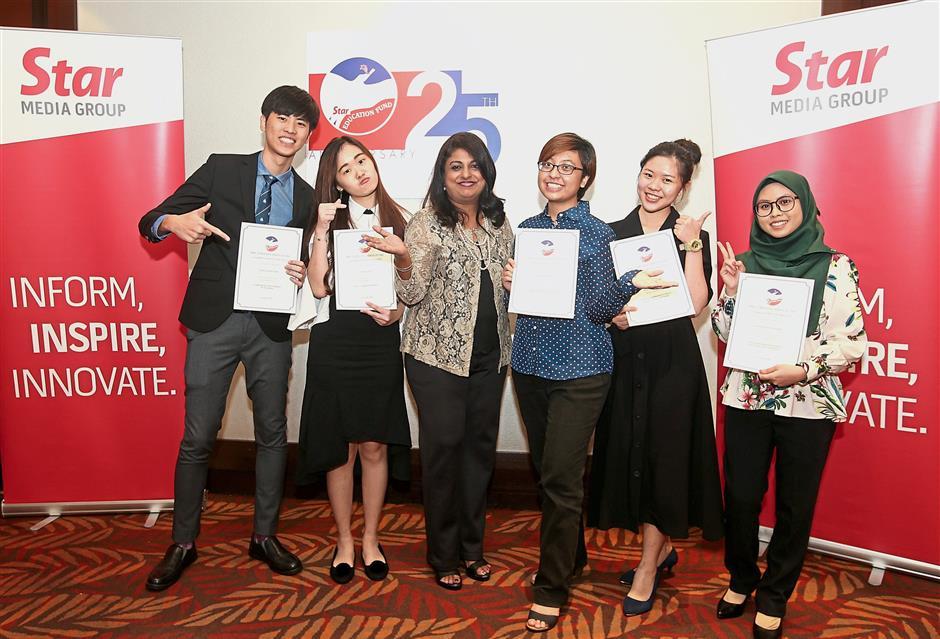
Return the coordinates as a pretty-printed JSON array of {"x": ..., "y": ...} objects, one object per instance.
[
  {"x": 326, "y": 190},
  {"x": 490, "y": 205}
]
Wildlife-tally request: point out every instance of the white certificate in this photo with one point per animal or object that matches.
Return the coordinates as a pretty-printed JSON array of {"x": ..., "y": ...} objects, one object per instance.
[
  {"x": 361, "y": 274},
  {"x": 656, "y": 251},
  {"x": 261, "y": 284},
  {"x": 769, "y": 322},
  {"x": 546, "y": 276}
]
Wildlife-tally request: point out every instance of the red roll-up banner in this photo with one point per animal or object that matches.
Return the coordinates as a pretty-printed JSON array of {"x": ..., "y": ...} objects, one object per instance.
[
  {"x": 91, "y": 351},
  {"x": 851, "y": 102}
]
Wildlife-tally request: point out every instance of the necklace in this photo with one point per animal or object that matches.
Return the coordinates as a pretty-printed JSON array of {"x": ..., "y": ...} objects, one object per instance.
[{"x": 471, "y": 242}]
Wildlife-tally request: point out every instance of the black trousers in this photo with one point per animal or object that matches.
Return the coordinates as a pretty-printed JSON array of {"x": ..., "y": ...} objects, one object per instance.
[
  {"x": 458, "y": 422},
  {"x": 802, "y": 445},
  {"x": 211, "y": 359},
  {"x": 559, "y": 420}
]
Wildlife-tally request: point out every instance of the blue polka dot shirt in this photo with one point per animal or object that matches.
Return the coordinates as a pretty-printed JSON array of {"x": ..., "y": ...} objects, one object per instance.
[{"x": 562, "y": 349}]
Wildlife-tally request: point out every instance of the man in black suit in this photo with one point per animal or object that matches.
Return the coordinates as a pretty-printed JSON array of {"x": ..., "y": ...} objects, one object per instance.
[{"x": 208, "y": 209}]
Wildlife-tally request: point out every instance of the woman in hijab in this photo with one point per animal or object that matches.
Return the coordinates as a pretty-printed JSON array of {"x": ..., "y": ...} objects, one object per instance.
[{"x": 791, "y": 407}]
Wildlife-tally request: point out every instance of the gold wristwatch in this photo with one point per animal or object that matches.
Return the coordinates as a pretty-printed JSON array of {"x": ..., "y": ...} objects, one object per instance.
[{"x": 692, "y": 246}]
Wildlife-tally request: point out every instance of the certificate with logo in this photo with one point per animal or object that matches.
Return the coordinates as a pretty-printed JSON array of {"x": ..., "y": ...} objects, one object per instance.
[
  {"x": 768, "y": 326},
  {"x": 361, "y": 274},
  {"x": 546, "y": 276},
  {"x": 655, "y": 251},
  {"x": 261, "y": 284}
]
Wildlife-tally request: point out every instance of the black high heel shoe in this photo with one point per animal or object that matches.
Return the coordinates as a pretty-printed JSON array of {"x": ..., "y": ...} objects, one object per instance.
[
  {"x": 764, "y": 633},
  {"x": 632, "y": 607},
  {"x": 667, "y": 564},
  {"x": 728, "y": 610},
  {"x": 341, "y": 573},
  {"x": 376, "y": 570}
]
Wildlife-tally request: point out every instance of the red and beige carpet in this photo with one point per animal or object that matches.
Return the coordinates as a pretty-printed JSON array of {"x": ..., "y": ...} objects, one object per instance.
[{"x": 84, "y": 577}]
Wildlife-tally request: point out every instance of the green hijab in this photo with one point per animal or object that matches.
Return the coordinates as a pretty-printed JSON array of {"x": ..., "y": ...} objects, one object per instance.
[{"x": 801, "y": 254}]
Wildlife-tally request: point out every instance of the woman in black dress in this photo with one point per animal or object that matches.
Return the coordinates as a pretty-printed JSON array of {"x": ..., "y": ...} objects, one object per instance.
[
  {"x": 354, "y": 399},
  {"x": 655, "y": 465}
]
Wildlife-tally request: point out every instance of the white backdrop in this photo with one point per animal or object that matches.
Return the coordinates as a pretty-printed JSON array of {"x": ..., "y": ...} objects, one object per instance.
[{"x": 625, "y": 76}]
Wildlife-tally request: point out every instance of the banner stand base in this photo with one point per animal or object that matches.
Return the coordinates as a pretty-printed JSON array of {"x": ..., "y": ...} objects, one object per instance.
[
  {"x": 878, "y": 561},
  {"x": 45, "y": 522},
  {"x": 153, "y": 506}
]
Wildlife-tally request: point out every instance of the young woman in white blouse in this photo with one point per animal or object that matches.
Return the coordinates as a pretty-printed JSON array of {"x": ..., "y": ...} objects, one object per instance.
[
  {"x": 354, "y": 402},
  {"x": 790, "y": 408}
]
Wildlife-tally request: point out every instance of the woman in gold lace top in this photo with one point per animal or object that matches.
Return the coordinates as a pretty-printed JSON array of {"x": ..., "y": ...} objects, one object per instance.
[{"x": 455, "y": 338}]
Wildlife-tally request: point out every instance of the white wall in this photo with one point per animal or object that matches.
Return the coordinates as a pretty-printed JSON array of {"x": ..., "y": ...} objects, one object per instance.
[{"x": 652, "y": 56}]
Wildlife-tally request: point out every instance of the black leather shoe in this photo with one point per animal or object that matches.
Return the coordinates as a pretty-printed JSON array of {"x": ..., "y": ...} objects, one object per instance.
[
  {"x": 341, "y": 573},
  {"x": 275, "y": 555},
  {"x": 377, "y": 570},
  {"x": 764, "y": 633},
  {"x": 728, "y": 610},
  {"x": 168, "y": 571}
]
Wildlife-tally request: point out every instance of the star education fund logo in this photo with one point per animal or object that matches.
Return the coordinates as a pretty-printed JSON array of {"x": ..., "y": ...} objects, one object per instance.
[
  {"x": 645, "y": 253},
  {"x": 358, "y": 96},
  {"x": 774, "y": 296},
  {"x": 548, "y": 247},
  {"x": 270, "y": 244},
  {"x": 361, "y": 98}
]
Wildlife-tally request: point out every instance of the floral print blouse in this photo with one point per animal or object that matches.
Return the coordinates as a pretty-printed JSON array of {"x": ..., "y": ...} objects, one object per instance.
[
  {"x": 838, "y": 341},
  {"x": 444, "y": 288}
]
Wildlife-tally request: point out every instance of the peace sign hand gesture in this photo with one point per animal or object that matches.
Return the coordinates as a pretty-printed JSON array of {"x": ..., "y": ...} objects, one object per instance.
[
  {"x": 731, "y": 269},
  {"x": 689, "y": 228}
]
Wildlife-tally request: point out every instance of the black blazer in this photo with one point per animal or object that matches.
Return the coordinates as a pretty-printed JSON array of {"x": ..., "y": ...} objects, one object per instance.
[{"x": 228, "y": 183}]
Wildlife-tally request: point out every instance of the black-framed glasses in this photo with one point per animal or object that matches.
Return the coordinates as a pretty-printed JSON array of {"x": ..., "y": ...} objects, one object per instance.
[
  {"x": 783, "y": 203},
  {"x": 563, "y": 168}
]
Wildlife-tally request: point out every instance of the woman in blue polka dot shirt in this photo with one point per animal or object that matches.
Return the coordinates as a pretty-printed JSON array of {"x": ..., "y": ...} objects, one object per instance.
[{"x": 561, "y": 368}]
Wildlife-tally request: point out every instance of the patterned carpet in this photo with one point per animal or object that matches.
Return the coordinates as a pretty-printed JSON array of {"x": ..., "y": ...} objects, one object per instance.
[{"x": 84, "y": 576}]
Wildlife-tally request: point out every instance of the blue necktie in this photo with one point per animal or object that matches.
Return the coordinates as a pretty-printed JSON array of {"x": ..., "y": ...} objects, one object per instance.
[{"x": 263, "y": 212}]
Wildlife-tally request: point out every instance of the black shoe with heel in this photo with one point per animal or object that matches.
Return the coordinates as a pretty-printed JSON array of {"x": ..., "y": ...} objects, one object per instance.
[
  {"x": 667, "y": 564},
  {"x": 728, "y": 610}
]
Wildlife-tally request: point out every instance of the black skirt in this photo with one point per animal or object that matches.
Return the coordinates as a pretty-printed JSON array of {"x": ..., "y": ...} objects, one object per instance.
[
  {"x": 354, "y": 393},
  {"x": 655, "y": 458}
]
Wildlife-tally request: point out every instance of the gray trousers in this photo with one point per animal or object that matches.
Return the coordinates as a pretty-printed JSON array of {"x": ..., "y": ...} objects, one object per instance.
[{"x": 211, "y": 359}]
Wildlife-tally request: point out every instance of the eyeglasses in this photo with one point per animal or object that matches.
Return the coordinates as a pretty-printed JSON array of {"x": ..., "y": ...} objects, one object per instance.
[
  {"x": 564, "y": 169},
  {"x": 784, "y": 203}
]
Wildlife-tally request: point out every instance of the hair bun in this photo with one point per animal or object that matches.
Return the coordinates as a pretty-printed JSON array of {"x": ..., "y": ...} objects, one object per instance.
[{"x": 690, "y": 147}]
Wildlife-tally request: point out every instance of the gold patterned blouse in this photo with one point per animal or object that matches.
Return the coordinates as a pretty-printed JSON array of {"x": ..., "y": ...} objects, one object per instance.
[{"x": 444, "y": 288}]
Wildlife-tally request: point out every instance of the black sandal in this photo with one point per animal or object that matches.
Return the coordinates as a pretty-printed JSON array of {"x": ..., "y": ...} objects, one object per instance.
[
  {"x": 457, "y": 585},
  {"x": 549, "y": 620},
  {"x": 473, "y": 570}
]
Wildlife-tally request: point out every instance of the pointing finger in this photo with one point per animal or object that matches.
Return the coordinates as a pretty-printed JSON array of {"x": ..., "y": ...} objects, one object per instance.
[{"x": 217, "y": 231}]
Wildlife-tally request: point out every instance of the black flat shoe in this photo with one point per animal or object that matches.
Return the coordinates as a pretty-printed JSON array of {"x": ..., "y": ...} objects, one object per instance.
[
  {"x": 549, "y": 620},
  {"x": 667, "y": 564},
  {"x": 764, "y": 633},
  {"x": 341, "y": 573},
  {"x": 438, "y": 576},
  {"x": 171, "y": 567},
  {"x": 728, "y": 610},
  {"x": 271, "y": 552},
  {"x": 376, "y": 570},
  {"x": 473, "y": 570}
]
